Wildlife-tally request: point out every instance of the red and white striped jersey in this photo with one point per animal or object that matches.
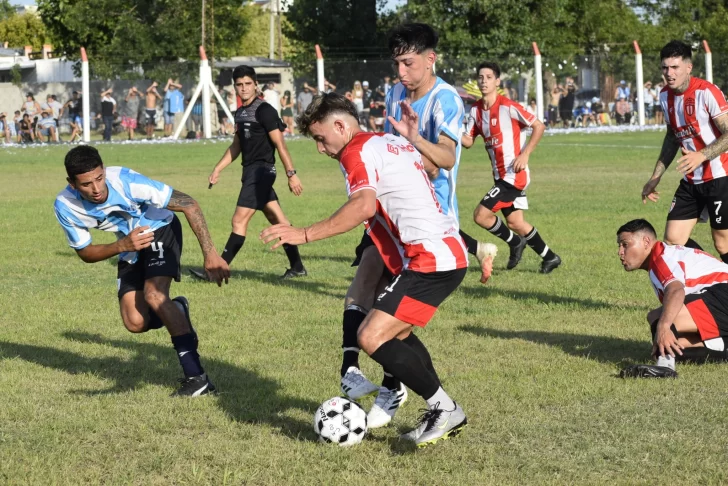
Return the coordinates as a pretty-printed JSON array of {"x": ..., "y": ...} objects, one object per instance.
[
  {"x": 696, "y": 269},
  {"x": 690, "y": 116},
  {"x": 503, "y": 127},
  {"x": 410, "y": 228}
]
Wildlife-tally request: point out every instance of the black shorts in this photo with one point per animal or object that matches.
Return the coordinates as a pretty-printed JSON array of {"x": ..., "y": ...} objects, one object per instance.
[
  {"x": 691, "y": 199},
  {"x": 413, "y": 297},
  {"x": 709, "y": 310},
  {"x": 566, "y": 115},
  {"x": 257, "y": 190},
  {"x": 366, "y": 242},
  {"x": 553, "y": 113},
  {"x": 502, "y": 196},
  {"x": 151, "y": 116},
  {"x": 161, "y": 259}
]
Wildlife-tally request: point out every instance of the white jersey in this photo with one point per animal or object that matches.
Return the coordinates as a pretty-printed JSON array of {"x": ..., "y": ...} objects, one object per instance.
[
  {"x": 695, "y": 269},
  {"x": 410, "y": 228},
  {"x": 134, "y": 200}
]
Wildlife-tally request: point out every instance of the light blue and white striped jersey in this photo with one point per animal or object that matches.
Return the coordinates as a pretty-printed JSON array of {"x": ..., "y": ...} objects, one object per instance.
[
  {"x": 441, "y": 111},
  {"x": 134, "y": 200}
]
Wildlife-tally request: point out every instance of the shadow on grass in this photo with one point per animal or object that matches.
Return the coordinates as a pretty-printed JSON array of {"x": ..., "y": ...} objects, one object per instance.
[
  {"x": 604, "y": 349},
  {"x": 543, "y": 297},
  {"x": 243, "y": 395}
]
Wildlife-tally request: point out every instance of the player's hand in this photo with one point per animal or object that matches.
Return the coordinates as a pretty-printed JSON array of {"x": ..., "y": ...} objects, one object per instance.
[
  {"x": 213, "y": 177},
  {"x": 284, "y": 234},
  {"x": 520, "y": 162},
  {"x": 666, "y": 343},
  {"x": 649, "y": 192},
  {"x": 409, "y": 124},
  {"x": 294, "y": 184},
  {"x": 136, "y": 241},
  {"x": 217, "y": 269},
  {"x": 689, "y": 161}
]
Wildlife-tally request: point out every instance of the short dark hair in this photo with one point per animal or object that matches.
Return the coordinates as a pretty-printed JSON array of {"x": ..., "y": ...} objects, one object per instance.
[
  {"x": 676, "y": 48},
  {"x": 321, "y": 107},
  {"x": 636, "y": 226},
  {"x": 490, "y": 65},
  {"x": 82, "y": 159},
  {"x": 242, "y": 71},
  {"x": 412, "y": 38}
]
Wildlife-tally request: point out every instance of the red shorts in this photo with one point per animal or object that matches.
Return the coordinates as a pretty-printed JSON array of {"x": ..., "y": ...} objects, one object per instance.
[
  {"x": 128, "y": 122},
  {"x": 413, "y": 297},
  {"x": 709, "y": 310}
]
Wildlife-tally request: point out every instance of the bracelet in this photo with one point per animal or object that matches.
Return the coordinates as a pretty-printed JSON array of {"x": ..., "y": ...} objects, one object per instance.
[{"x": 305, "y": 234}]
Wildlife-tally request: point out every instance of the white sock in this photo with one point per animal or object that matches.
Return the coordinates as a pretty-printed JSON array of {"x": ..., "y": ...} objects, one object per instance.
[
  {"x": 441, "y": 400},
  {"x": 667, "y": 361}
]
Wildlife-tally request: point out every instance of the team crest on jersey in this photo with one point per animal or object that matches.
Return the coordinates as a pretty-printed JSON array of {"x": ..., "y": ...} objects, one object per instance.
[
  {"x": 494, "y": 121},
  {"x": 690, "y": 106},
  {"x": 393, "y": 149}
]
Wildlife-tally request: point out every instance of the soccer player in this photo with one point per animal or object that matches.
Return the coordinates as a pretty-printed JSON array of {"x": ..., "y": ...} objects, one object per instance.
[
  {"x": 390, "y": 191},
  {"x": 149, "y": 245},
  {"x": 696, "y": 114},
  {"x": 436, "y": 111},
  {"x": 502, "y": 123},
  {"x": 258, "y": 134},
  {"x": 692, "y": 286}
]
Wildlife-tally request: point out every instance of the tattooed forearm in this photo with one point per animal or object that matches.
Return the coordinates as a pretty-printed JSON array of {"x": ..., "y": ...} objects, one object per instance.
[
  {"x": 181, "y": 202},
  {"x": 670, "y": 147},
  {"x": 721, "y": 145}
]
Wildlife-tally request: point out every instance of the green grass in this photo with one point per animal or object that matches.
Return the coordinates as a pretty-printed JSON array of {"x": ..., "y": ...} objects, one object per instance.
[{"x": 532, "y": 358}]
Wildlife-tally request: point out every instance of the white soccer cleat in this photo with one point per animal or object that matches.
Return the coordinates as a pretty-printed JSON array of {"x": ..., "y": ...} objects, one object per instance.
[
  {"x": 355, "y": 385},
  {"x": 385, "y": 406}
]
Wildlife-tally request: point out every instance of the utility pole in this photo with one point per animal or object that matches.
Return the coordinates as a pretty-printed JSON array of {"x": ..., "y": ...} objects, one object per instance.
[
  {"x": 271, "y": 47},
  {"x": 202, "y": 40},
  {"x": 280, "y": 34}
]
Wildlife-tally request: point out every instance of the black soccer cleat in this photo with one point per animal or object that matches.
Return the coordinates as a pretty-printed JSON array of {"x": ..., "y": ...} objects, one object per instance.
[
  {"x": 199, "y": 275},
  {"x": 548, "y": 266},
  {"x": 291, "y": 273},
  {"x": 647, "y": 371},
  {"x": 186, "y": 306},
  {"x": 516, "y": 253},
  {"x": 194, "y": 386}
]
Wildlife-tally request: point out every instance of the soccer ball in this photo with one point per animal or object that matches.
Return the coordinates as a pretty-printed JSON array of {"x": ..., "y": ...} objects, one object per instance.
[{"x": 340, "y": 421}]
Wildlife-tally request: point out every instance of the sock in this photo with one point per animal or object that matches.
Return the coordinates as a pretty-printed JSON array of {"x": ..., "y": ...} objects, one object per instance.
[
  {"x": 294, "y": 258},
  {"x": 440, "y": 400},
  {"x": 537, "y": 244},
  {"x": 401, "y": 360},
  {"x": 414, "y": 342},
  {"x": 503, "y": 232},
  {"x": 154, "y": 321},
  {"x": 353, "y": 317},
  {"x": 390, "y": 382},
  {"x": 667, "y": 361},
  {"x": 691, "y": 243},
  {"x": 186, "y": 347},
  {"x": 470, "y": 242},
  {"x": 182, "y": 310},
  {"x": 232, "y": 247},
  {"x": 724, "y": 257}
]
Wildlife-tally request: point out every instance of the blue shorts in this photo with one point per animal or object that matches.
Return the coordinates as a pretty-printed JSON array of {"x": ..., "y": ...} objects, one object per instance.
[
  {"x": 78, "y": 121},
  {"x": 45, "y": 132},
  {"x": 168, "y": 118}
]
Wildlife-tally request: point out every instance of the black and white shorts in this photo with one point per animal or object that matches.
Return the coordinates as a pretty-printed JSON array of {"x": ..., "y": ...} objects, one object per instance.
[
  {"x": 413, "y": 297},
  {"x": 504, "y": 197},
  {"x": 709, "y": 310},
  {"x": 160, "y": 259},
  {"x": 257, "y": 190},
  {"x": 693, "y": 200}
]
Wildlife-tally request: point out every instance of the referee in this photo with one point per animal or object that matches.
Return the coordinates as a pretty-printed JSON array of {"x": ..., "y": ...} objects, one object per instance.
[{"x": 258, "y": 134}]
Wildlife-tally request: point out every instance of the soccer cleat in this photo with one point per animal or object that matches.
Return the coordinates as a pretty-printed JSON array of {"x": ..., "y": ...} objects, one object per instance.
[
  {"x": 290, "y": 273},
  {"x": 355, "y": 385},
  {"x": 194, "y": 386},
  {"x": 385, "y": 406},
  {"x": 186, "y": 306},
  {"x": 199, "y": 275},
  {"x": 437, "y": 424},
  {"x": 547, "y": 266},
  {"x": 647, "y": 371},
  {"x": 516, "y": 253},
  {"x": 486, "y": 254}
]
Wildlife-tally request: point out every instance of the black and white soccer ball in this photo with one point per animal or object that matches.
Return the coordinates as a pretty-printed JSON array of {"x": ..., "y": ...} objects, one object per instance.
[{"x": 340, "y": 421}]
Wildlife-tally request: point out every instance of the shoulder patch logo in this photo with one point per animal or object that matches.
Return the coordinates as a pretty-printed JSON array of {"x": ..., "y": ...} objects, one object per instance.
[{"x": 393, "y": 149}]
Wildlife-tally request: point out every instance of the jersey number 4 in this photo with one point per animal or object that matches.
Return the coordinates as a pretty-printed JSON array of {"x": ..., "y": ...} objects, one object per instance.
[{"x": 158, "y": 247}]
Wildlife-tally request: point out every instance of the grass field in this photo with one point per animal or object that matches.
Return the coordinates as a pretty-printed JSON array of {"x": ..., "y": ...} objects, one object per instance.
[{"x": 532, "y": 358}]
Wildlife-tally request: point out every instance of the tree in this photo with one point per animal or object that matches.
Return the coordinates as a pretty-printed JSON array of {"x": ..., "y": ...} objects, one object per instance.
[
  {"x": 6, "y": 10},
  {"x": 256, "y": 41},
  {"x": 24, "y": 30},
  {"x": 122, "y": 35}
]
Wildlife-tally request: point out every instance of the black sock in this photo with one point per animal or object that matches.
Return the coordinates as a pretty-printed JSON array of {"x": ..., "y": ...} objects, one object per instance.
[
  {"x": 503, "y": 232},
  {"x": 691, "y": 243},
  {"x": 537, "y": 244},
  {"x": 724, "y": 257},
  {"x": 186, "y": 347},
  {"x": 353, "y": 317},
  {"x": 294, "y": 258},
  {"x": 232, "y": 247},
  {"x": 154, "y": 321},
  {"x": 405, "y": 364},
  {"x": 389, "y": 381},
  {"x": 470, "y": 242},
  {"x": 701, "y": 354},
  {"x": 414, "y": 342}
]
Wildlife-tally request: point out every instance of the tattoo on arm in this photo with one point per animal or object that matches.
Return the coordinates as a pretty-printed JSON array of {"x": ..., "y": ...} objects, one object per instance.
[
  {"x": 670, "y": 147},
  {"x": 181, "y": 202},
  {"x": 721, "y": 144}
]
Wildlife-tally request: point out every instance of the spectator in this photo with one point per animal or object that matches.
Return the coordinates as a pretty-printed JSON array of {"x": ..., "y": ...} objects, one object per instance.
[
  {"x": 75, "y": 113},
  {"x": 600, "y": 113},
  {"x": 55, "y": 109},
  {"x": 386, "y": 86},
  {"x": 5, "y": 127},
  {"x": 659, "y": 115},
  {"x": 287, "y": 111},
  {"x": 194, "y": 124},
  {"x": 532, "y": 108},
  {"x": 304, "y": 98},
  {"x": 233, "y": 107},
  {"x": 329, "y": 87},
  {"x": 566, "y": 103},
  {"x": 649, "y": 99},
  {"x": 150, "y": 111},
  {"x": 366, "y": 103},
  {"x": 376, "y": 113},
  {"x": 108, "y": 110},
  {"x": 46, "y": 127},
  {"x": 31, "y": 107},
  {"x": 622, "y": 91},
  {"x": 16, "y": 121},
  {"x": 272, "y": 97},
  {"x": 357, "y": 93},
  {"x": 622, "y": 112},
  {"x": 130, "y": 114},
  {"x": 174, "y": 106},
  {"x": 556, "y": 92},
  {"x": 25, "y": 134}
]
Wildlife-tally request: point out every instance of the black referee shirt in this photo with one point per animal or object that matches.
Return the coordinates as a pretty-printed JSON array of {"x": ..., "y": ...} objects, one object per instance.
[{"x": 252, "y": 124}]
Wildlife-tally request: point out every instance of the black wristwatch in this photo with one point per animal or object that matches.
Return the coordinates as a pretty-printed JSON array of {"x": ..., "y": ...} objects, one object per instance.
[{"x": 291, "y": 173}]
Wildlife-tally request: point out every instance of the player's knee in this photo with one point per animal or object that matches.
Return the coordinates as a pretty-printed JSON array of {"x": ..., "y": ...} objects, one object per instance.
[
  {"x": 154, "y": 297},
  {"x": 135, "y": 323},
  {"x": 369, "y": 339},
  {"x": 721, "y": 244},
  {"x": 484, "y": 218}
]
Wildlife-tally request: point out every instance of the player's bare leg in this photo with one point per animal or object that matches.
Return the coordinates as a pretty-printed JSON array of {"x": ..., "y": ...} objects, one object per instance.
[
  {"x": 677, "y": 232},
  {"x": 487, "y": 219},
  {"x": 720, "y": 240},
  {"x": 517, "y": 223},
  {"x": 274, "y": 214}
]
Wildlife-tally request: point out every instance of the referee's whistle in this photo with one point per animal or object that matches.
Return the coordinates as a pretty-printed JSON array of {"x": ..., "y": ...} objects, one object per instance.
[{"x": 209, "y": 186}]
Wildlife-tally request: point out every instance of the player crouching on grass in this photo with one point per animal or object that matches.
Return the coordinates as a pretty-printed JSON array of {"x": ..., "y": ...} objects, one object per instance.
[
  {"x": 692, "y": 323},
  {"x": 391, "y": 193},
  {"x": 149, "y": 244}
]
